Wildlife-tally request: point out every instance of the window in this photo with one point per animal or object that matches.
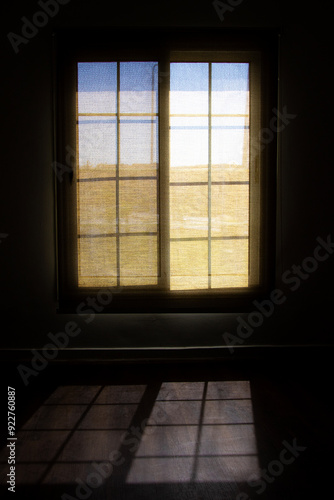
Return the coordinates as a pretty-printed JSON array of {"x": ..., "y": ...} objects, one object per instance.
[{"x": 171, "y": 196}]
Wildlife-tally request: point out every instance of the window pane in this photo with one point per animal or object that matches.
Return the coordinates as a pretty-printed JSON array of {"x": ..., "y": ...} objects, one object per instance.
[
  {"x": 230, "y": 141},
  {"x": 138, "y": 145},
  {"x": 97, "y": 261},
  {"x": 189, "y": 142},
  {"x": 97, "y": 86},
  {"x": 97, "y": 146},
  {"x": 229, "y": 265},
  {"x": 230, "y": 210},
  {"x": 97, "y": 207},
  {"x": 230, "y": 88},
  {"x": 138, "y": 264},
  {"x": 139, "y": 87},
  {"x": 187, "y": 174},
  {"x": 138, "y": 206},
  {"x": 189, "y": 211},
  {"x": 189, "y": 85},
  {"x": 189, "y": 265}
]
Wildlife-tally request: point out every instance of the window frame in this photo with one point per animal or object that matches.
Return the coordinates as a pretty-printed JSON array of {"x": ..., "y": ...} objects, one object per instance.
[{"x": 72, "y": 46}]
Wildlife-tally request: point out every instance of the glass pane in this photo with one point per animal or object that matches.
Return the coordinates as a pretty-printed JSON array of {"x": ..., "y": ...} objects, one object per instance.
[
  {"x": 189, "y": 85},
  {"x": 189, "y": 211},
  {"x": 195, "y": 173},
  {"x": 96, "y": 207},
  {"x": 230, "y": 141},
  {"x": 139, "y": 260},
  {"x": 230, "y": 173},
  {"x": 138, "y": 206},
  {"x": 97, "y": 146},
  {"x": 229, "y": 263},
  {"x": 188, "y": 142},
  {"x": 139, "y": 87},
  {"x": 230, "y": 210},
  {"x": 138, "y": 144},
  {"x": 230, "y": 88},
  {"x": 97, "y": 261},
  {"x": 188, "y": 265},
  {"x": 97, "y": 87}
]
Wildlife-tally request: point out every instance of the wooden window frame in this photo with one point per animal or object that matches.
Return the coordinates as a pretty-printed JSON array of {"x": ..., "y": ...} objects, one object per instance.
[{"x": 260, "y": 48}]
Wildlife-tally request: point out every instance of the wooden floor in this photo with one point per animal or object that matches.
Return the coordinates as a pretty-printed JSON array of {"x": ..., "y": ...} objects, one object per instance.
[{"x": 206, "y": 431}]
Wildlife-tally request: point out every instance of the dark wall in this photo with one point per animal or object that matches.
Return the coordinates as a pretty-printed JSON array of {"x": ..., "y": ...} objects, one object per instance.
[{"x": 305, "y": 179}]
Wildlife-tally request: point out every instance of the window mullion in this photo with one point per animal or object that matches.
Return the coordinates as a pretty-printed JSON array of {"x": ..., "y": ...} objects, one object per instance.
[
  {"x": 209, "y": 176},
  {"x": 118, "y": 251},
  {"x": 164, "y": 212}
]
